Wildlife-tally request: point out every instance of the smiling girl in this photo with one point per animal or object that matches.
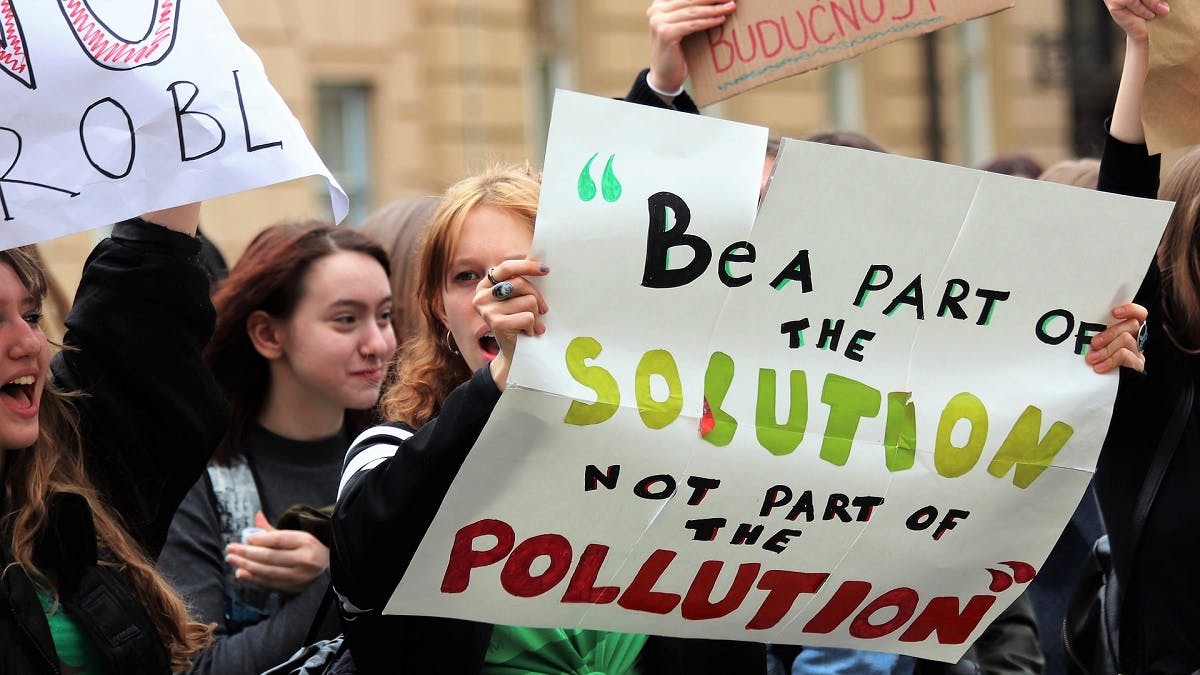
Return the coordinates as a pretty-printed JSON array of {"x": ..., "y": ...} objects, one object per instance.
[{"x": 302, "y": 341}]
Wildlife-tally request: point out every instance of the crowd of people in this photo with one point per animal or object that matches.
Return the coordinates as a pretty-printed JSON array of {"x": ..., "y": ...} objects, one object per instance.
[{"x": 226, "y": 478}]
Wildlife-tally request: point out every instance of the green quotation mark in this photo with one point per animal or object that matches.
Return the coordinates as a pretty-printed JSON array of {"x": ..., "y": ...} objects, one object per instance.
[{"x": 610, "y": 187}]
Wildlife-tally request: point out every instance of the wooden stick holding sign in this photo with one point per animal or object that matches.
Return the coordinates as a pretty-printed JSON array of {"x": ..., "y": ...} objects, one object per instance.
[{"x": 768, "y": 40}]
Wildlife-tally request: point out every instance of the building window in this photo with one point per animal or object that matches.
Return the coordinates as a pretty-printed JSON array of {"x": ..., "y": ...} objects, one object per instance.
[{"x": 343, "y": 139}]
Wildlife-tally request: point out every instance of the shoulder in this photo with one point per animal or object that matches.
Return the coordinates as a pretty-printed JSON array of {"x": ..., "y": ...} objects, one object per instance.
[{"x": 371, "y": 448}]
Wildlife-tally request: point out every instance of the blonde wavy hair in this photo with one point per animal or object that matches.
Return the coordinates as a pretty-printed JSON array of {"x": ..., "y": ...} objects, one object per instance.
[
  {"x": 54, "y": 464},
  {"x": 428, "y": 366}
]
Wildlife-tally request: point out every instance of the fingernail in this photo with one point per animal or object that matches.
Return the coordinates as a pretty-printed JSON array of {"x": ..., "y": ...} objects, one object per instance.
[{"x": 543, "y": 268}]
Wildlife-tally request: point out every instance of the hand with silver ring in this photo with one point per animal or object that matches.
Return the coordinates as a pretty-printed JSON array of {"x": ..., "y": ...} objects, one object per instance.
[
  {"x": 502, "y": 290},
  {"x": 492, "y": 278}
]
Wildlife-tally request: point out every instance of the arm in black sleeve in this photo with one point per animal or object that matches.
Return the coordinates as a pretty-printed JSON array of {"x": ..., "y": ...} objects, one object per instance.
[
  {"x": 384, "y": 512},
  {"x": 151, "y": 414},
  {"x": 1128, "y": 168},
  {"x": 641, "y": 94}
]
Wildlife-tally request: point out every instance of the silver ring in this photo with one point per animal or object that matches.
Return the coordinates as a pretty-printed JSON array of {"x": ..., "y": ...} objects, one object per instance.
[
  {"x": 502, "y": 290},
  {"x": 492, "y": 278}
]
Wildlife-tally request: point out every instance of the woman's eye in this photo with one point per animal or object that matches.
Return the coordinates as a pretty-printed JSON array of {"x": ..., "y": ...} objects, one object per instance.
[
  {"x": 385, "y": 316},
  {"x": 344, "y": 319},
  {"x": 32, "y": 318},
  {"x": 466, "y": 276}
]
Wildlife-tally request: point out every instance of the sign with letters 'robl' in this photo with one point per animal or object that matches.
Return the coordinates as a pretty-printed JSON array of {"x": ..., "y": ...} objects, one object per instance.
[
  {"x": 858, "y": 418},
  {"x": 110, "y": 109},
  {"x": 767, "y": 40}
]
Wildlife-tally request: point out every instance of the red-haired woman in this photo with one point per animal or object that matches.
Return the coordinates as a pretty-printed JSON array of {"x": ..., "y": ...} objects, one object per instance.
[
  {"x": 97, "y": 448},
  {"x": 302, "y": 342}
]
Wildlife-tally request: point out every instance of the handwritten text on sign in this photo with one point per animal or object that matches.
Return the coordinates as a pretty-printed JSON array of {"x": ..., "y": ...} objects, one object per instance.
[
  {"x": 857, "y": 418},
  {"x": 767, "y": 40},
  {"x": 112, "y": 109}
]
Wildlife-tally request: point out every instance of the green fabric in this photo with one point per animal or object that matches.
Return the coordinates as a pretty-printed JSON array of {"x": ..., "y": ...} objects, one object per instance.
[
  {"x": 522, "y": 651},
  {"x": 75, "y": 649}
]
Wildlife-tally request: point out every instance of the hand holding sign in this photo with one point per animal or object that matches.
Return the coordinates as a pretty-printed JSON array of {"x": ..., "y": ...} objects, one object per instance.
[
  {"x": 1133, "y": 15},
  {"x": 670, "y": 22}
]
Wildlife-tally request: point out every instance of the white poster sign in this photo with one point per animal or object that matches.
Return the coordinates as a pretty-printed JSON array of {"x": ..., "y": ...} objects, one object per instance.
[
  {"x": 858, "y": 418},
  {"x": 110, "y": 109}
]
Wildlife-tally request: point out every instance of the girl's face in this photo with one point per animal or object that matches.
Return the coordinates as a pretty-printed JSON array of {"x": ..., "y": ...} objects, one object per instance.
[
  {"x": 24, "y": 362},
  {"x": 336, "y": 344},
  {"x": 489, "y": 236}
]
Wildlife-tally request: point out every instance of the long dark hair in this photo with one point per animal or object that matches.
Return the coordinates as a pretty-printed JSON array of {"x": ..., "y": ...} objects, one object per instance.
[
  {"x": 269, "y": 277},
  {"x": 55, "y": 464}
]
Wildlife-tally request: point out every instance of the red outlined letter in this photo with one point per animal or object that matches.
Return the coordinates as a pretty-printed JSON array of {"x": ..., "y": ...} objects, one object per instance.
[
  {"x": 14, "y": 59},
  {"x": 111, "y": 51}
]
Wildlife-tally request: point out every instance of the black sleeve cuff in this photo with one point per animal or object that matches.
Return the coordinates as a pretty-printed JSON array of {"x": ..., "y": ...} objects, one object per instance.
[
  {"x": 641, "y": 94},
  {"x": 136, "y": 230},
  {"x": 1128, "y": 168}
]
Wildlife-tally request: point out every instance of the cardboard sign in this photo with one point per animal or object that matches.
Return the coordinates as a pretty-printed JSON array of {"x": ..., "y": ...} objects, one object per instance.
[
  {"x": 111, "y": 109},
  {"x": 858, "y": 418},
  {"x": 1173, "y": 83},
  {"x": 768, "y": 40}
]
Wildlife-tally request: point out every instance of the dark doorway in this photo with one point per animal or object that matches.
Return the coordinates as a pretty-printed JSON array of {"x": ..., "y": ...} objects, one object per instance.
[{"x": 1093, "y": 56}]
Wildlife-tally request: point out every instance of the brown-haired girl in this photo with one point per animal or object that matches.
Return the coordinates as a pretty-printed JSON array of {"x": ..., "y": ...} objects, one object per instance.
[
  {"x": 97, "y": 448},
  {"x": 300, "y": 349},
  {"x": 1159, "y": 615}
]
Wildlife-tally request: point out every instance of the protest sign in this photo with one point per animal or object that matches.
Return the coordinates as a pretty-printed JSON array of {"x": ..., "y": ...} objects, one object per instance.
[
  {"x": 768, "y": 40},
  {"x": 1173, "y": 82},
  {"x": 859, "y": 418},
  {"x": 111, "y": 109}
]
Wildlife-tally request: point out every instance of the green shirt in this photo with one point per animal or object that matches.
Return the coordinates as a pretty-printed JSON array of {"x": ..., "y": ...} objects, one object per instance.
[
  {"x": 521, "y": 651},
  {"x": 77, "y": 653}
]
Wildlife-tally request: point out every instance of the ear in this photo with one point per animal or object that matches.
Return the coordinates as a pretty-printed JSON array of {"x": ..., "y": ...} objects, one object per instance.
[
  {"x": 266, "y": 334},
  {"x": 439, "y": 308}
]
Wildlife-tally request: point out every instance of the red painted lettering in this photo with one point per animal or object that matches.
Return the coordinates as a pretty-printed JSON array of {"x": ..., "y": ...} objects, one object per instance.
[
  {"x": 783, "y": 587},
  {"x": 953, "y": 627},
  {"x": 697, "y": 605},
  {"x": 640, "y": 596},
  {"x": 464, "y": 557},
  {"x": 903, "y": 600},
  {"x": 845, "y": 600},
  {"x": 582, "y": 587},
  {"x": 517, "y": 577}
]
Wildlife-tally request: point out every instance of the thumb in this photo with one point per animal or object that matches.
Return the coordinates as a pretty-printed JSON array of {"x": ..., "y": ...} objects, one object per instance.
[{"x": 260, "y": 520}]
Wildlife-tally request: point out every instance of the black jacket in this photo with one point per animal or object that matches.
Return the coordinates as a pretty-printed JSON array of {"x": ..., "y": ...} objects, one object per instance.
[
  {"x": 150, "y": 417},
  {"x": 383, "y": 513},
  {"x": 1160, "y": 615}
]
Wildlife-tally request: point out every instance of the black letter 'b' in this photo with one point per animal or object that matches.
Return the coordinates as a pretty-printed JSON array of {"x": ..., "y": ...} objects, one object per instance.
[{"x": 660, "y": 240}]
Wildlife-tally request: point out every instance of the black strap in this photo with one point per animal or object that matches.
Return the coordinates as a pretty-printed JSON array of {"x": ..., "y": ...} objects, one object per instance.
[{"x": 1167, "y": 444}]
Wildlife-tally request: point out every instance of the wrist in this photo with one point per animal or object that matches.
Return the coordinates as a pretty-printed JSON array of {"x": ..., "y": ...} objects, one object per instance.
[{"x": 664, "y": 92}]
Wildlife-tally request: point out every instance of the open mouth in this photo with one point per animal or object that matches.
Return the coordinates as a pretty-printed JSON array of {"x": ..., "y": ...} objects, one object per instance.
[
  {"x": 18, "y": 392},
  {"x": 488, "y": 345}
]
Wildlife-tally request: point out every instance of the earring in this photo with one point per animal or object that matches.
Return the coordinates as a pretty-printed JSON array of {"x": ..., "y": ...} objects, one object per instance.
[{"x": 451, "y": 345}]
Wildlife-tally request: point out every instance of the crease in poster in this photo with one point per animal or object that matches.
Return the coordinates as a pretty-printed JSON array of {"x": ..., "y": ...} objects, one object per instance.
[{"x": 857, "y": 416}]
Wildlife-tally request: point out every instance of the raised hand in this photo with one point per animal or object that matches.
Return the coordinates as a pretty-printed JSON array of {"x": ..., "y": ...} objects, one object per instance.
[{"x": 670, "y": 22}]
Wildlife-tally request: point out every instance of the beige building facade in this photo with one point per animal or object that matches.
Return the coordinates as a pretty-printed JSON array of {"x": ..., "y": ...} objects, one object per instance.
[{"x": 402, "y": 97}]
